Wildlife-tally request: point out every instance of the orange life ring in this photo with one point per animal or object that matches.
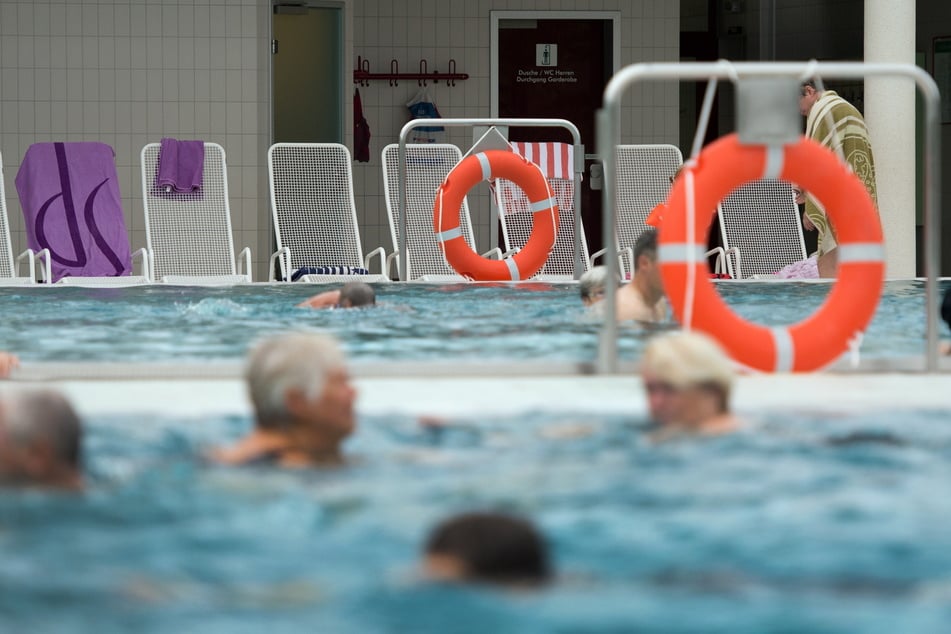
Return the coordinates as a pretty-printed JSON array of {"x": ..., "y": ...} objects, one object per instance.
[
  {"x": 823, "y": 336},
  {"x": 463, "y": 177}
]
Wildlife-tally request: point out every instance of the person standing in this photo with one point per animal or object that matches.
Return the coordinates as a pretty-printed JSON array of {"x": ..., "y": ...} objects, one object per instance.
[{"x": 837, "y": 125}]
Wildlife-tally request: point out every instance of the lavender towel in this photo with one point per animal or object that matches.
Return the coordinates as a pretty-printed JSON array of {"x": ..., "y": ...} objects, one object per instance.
[
  {"x": 180, "y": 165},
  {"x": 69, "y": 193}
]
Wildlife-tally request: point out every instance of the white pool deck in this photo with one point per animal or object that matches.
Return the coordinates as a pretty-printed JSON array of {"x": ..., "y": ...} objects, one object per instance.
[{"x": 442, "y": 389}]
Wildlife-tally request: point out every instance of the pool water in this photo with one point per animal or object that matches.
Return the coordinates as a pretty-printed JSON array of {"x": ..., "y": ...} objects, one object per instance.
[
  {"x": 412, "y": 322},
  {"x": 805, "y": 522}
]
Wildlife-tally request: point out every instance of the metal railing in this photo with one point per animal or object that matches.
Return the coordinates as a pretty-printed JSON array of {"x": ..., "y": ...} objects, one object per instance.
[{"x": 608, "y": 134}]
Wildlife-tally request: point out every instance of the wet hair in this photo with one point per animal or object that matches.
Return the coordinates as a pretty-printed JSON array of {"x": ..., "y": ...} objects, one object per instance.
[
  {"x": 44, "y": 417},
  {"x": 691, "y": 359},
  {"x": 946, "y": 307},
  {"x": 493, "y": 548},
  {"x": 357, "y": 294},
  {"x": 592, "y": 281},
  {"x": 646, "y": 245},
  {"x": 288, "y": 361}
]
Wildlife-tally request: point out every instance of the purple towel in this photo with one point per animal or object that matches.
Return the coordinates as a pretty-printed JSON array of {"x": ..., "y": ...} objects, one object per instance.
[
  {"x": 180, "y": 165},
  {"x": 69, "y": 193}
]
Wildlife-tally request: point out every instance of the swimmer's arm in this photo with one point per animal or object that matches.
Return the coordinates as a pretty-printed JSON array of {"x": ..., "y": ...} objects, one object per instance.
[
  {"x": 7, "y": 363},
  {"x": 326, "y": 299}
]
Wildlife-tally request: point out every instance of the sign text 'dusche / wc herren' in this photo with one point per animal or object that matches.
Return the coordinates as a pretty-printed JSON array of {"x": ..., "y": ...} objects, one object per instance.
[{"x": 546, "y": 71}]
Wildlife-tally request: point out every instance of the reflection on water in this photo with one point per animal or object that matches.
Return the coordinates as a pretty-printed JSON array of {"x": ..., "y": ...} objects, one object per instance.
[{"x": 412, "y": 322}]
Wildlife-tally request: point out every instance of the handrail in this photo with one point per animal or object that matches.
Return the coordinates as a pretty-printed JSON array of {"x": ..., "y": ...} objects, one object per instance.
[
  {"x": 578, "y": 168},
  {"x": 608, "y": 127}
]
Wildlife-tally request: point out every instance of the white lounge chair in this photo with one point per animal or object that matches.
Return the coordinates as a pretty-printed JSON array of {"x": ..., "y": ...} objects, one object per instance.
[
  {"x": 10, "y": 265},
  {"x": 427, "y": 166},
  {"x": 760, "y": 228},
  {"x": 189, "y": 234},
  {"x": 515, "y": 218},
  {"x": 315, "y": 218},
  {"x": 643, "y": 182}
]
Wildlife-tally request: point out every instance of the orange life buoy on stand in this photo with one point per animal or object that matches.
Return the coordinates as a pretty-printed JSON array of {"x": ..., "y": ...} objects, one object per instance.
[
  {"x": 823, "y": 336},
  {"x": 463, "y": 177}
]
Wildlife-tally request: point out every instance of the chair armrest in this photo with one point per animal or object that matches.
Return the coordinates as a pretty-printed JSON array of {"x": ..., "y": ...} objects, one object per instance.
[
  {"x": 46, "y": 270},
  {"x": 384, "y": 260},
  {"x": 720, "y": 264},
  {"x": 146, "y": 269},
  {"x": 628, "y": 251},
  {"x": 245, "y": 258},
  {"x": 496, "y": 253},
  {"x": 31, "y": 261},
  {"x": 738, "y": 273},
  {"x": 283, "y": 257},
  {"x": 594, "y": 256},
  {"x": 389, "y": 261}
]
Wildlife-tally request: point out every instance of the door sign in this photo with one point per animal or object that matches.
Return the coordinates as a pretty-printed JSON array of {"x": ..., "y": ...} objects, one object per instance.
[{"x": 546, "y": 54}]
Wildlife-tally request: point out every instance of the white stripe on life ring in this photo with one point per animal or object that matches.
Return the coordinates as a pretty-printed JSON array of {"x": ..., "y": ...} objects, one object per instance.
[
  {"x": 861, "y": 252},
  {"x": 513, "y": 268},
  {"x": 785, "y": 352},
  {"x": 446, "y": 236},
  {"x": 486, "y": 167},
  {"x": 681, "y": 253}
]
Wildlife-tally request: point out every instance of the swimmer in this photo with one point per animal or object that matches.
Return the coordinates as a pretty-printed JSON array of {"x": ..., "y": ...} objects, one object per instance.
[
  {"x": 7, "y": 363},
  {"x": 40, "y": 441},
  {"x": 642, "y": 299},
  {"x": 350, "y": 295},
  {"x": 592, "y": 285},
  {"x": 688, "y": 379},
  {"x": 489, "y": 548},
  {"x": 303, "y": 403}
]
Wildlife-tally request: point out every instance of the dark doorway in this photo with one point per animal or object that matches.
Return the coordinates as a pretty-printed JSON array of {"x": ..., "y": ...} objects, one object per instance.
[{"x": 557, "y": 68}]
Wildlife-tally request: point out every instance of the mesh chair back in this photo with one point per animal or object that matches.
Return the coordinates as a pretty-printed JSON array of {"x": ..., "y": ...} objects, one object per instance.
[
  {"x": 426, "y": 168},
  {"x": 312, "y": 203},
  {"x": 515, "y": 216},
  {"x": 643, "y": 182},
  {"x": 7, "y": 268},
  {"x": 761, "y": 220},
  {"x": 189, "y": 234}
]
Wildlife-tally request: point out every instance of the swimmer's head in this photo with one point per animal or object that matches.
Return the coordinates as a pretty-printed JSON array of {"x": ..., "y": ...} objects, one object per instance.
[
  {"x": 487, "y": 548},
  {"x": 592, "y": 285},
  {"x": 676, "y": 363},
  {"x": 356, "y": 294}
]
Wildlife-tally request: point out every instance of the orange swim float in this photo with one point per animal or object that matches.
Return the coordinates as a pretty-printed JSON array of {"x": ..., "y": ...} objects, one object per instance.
[
  {"x": 823, "y": 336},
  {"x": 463, "y": 177}
]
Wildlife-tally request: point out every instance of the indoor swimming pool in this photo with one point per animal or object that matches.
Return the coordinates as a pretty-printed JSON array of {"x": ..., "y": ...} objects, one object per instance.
[
  {"x": 802, "y": 522},
  {"x": 415, "y": 322}
]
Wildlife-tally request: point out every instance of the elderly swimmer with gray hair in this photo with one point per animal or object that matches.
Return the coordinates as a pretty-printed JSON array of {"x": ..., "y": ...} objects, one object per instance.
[
  {"x": 688, "y": 379},
  {"x": 303, "y": 404},
  {"x": 350, "y": 295}
]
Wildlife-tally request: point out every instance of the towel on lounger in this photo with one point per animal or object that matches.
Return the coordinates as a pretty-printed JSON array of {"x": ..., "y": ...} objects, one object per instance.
[
  {"x": 328, "y": 270},
  {"x": 69, "y": 193},
  {"x": 180, "y": 166}
]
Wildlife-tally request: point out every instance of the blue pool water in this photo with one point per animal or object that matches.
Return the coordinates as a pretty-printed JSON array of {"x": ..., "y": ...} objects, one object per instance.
[
  {"x": 413, "y": 322},
  {"x": 801, "y": 524}
]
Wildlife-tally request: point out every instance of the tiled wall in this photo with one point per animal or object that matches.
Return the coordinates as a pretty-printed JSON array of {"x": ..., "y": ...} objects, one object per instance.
[
  {"x": 130, "y": 72},
  {"x": 127, "y": 72},
  {"x": 438, "y": 30}
]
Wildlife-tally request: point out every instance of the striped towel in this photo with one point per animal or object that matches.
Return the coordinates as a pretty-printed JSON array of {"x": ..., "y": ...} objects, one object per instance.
[
  {"x": 328, "y": 270},
  {"x": 556, "y": 159}
]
